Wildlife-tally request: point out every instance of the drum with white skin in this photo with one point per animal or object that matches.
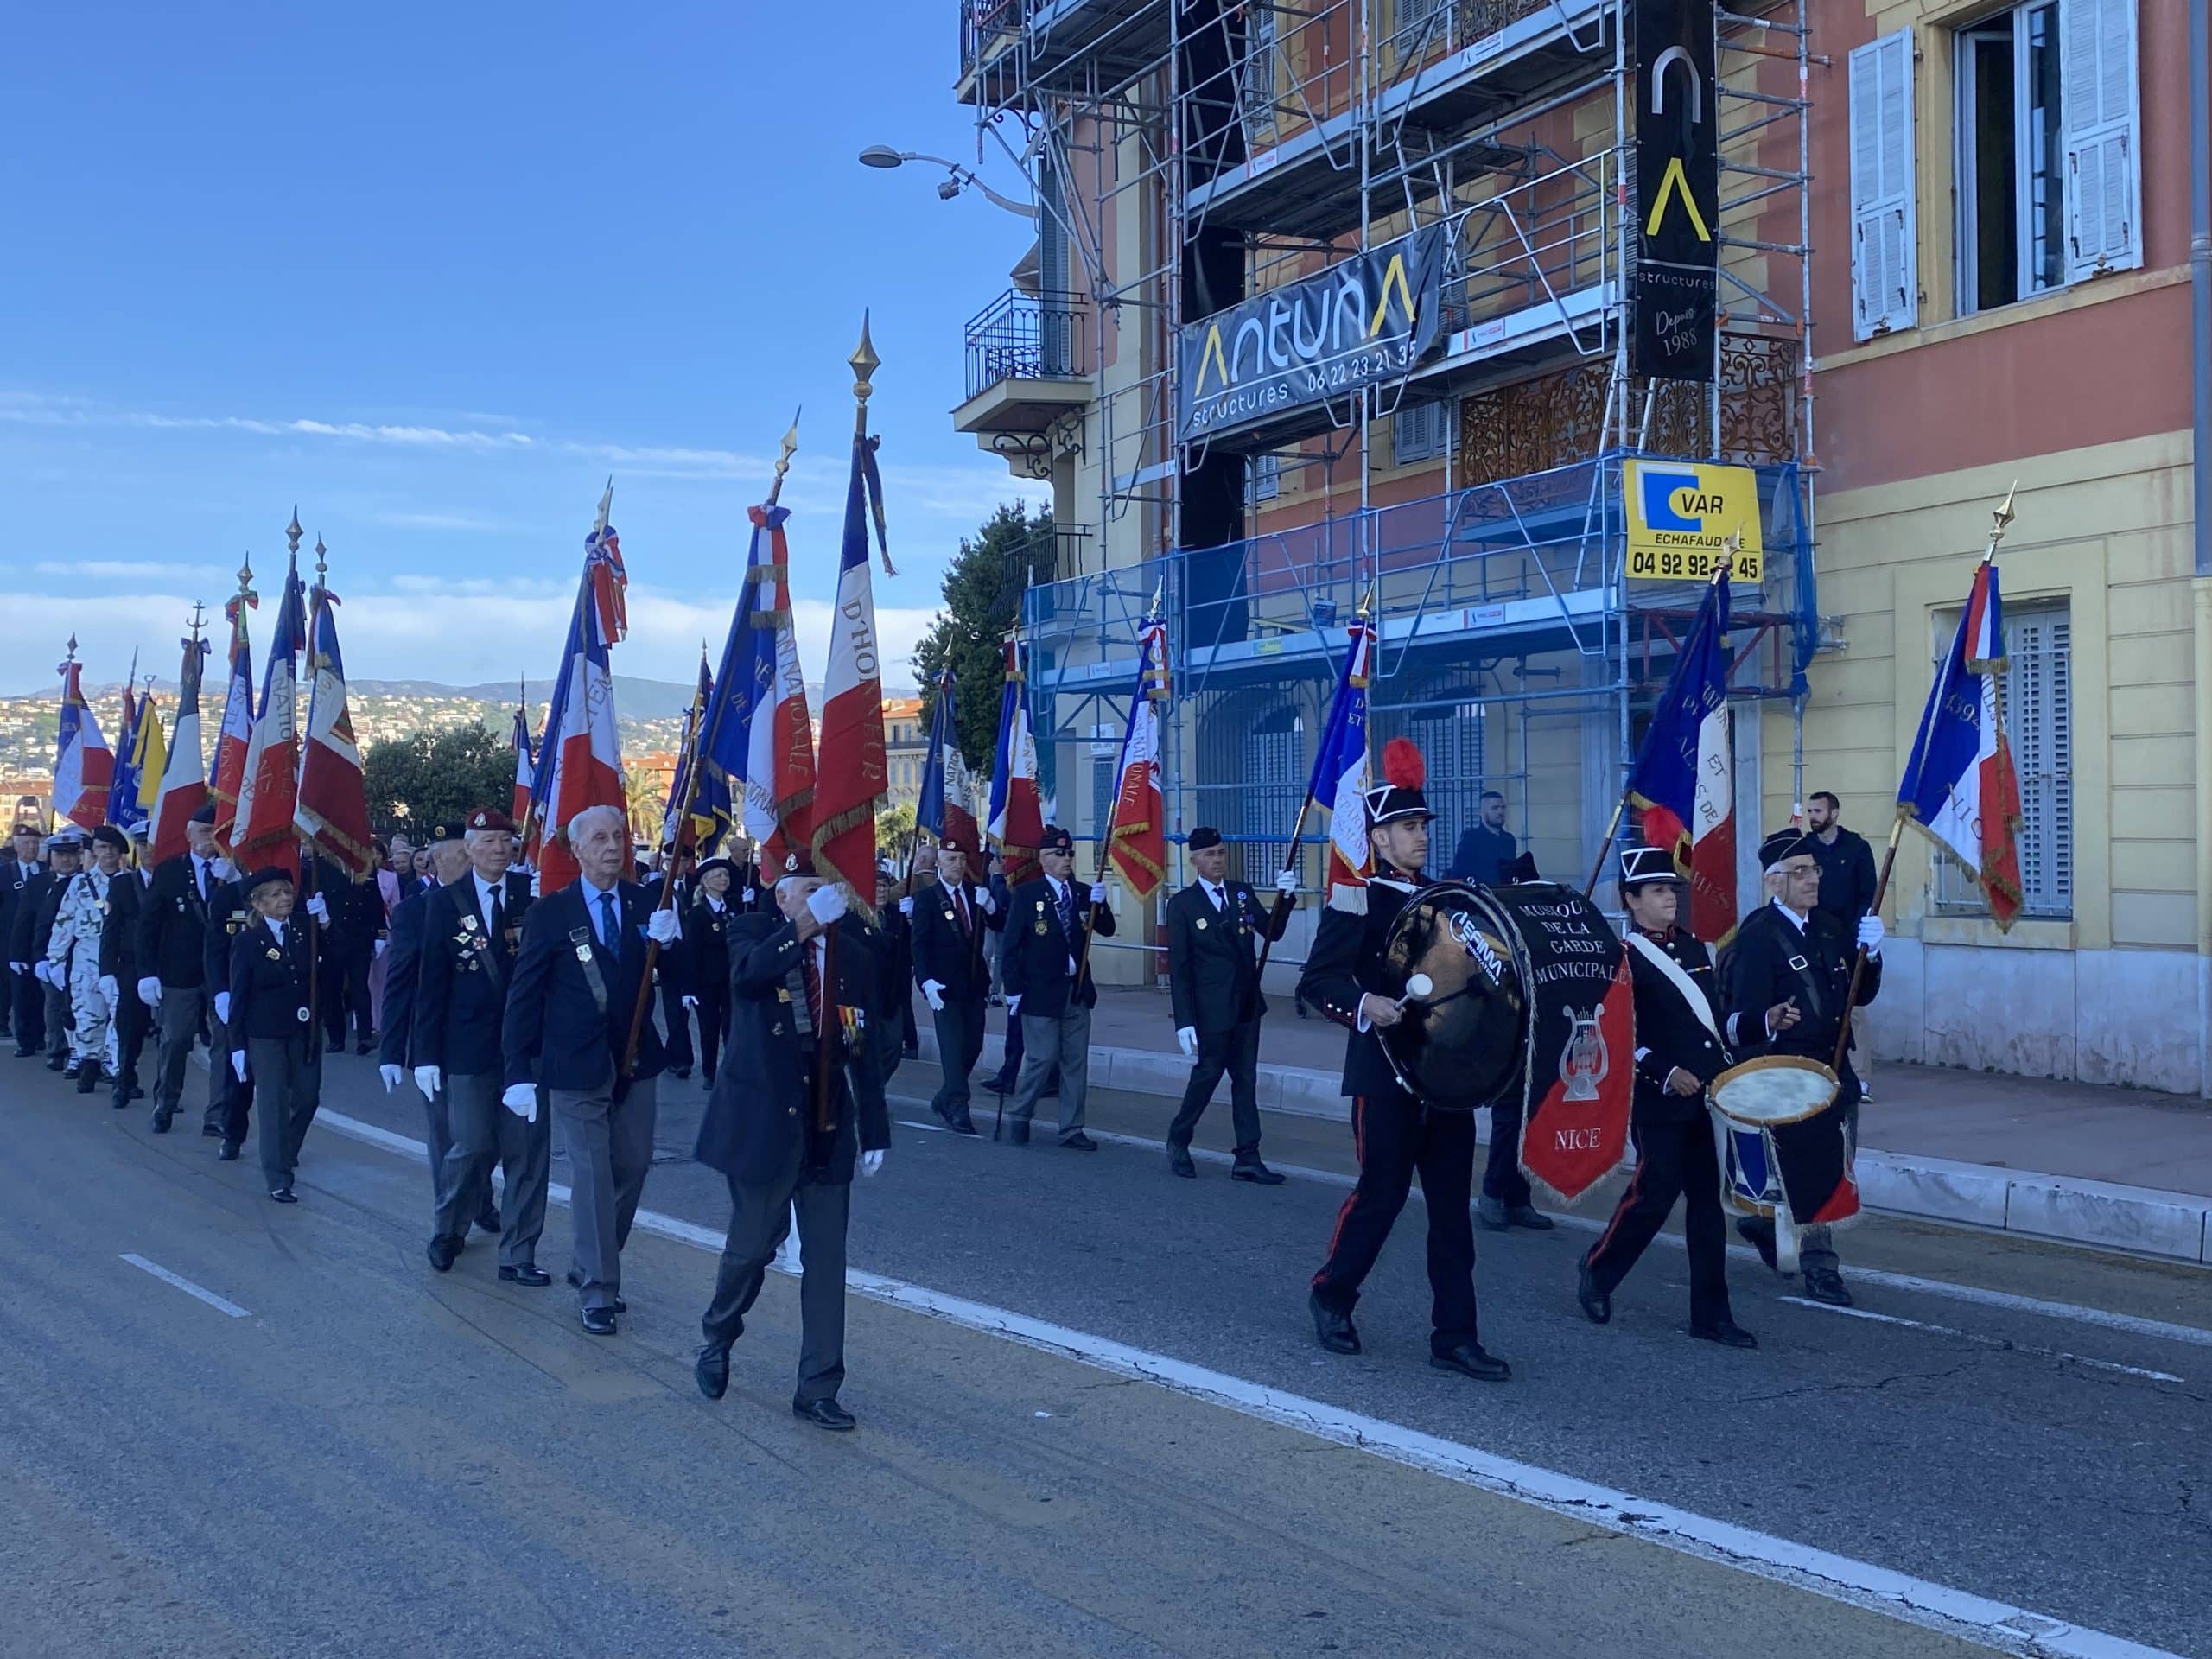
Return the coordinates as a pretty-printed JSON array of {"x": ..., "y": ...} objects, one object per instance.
[{"x": 1748, "y": 1101}]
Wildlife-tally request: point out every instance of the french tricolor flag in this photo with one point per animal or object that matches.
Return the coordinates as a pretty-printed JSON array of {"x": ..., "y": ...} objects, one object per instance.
[
  {"x": 84, "y": 765},
  {"x": 235, "y": 736},
  {"x": 269, "y": 780},
  {"x": 1342, "y": 775},
  {"x": 1960, "y": 785},
  {"x": 1684, "y": 778},
  {"x": 1017, "y": 825},
  {"x": 580, "y": 757}
]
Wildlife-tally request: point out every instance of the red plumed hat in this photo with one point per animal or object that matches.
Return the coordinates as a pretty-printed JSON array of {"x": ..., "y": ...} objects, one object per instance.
[
  {"x": 1404, "y": 765},
  {"x": 1405, "y": 773}
]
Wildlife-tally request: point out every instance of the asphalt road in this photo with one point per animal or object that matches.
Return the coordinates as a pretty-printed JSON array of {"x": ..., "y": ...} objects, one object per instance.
[{"x": 374, "y": 1459}]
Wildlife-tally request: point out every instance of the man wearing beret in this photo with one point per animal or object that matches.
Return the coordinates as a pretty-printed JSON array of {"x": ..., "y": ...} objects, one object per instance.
[
  {"x": 172, "y": 968},
  {"x": 1045, "y": 970},
  {"x": 270, "y": 1025},
  {"x": 1214, "y": 929},
  {"x": 949, "y": 921}
]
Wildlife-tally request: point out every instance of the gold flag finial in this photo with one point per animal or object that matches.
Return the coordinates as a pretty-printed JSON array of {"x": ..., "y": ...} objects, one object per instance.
[
  {"x": 245, "y": 577},
  {"x": 785, "y": 450},
  {"x": 1367, "y": 602},
  {"x": 198, "y": 619},
  {"x": 322, "y": 562},
  {"x": 1999, "y": 522},
  {"x": 865, "y": 362},
  {"x": 293, "y": 532}
]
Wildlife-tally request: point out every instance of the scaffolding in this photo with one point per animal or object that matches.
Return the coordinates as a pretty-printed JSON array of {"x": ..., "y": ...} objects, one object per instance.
[{"x": 1258, "y": 142}]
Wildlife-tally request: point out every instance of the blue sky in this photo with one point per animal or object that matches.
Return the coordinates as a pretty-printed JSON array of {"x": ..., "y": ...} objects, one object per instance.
[{"x": 434, "y": 271}]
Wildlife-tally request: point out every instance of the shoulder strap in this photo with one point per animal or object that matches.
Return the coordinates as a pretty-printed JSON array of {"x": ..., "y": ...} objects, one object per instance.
[{"x": 1684, "y": 985}]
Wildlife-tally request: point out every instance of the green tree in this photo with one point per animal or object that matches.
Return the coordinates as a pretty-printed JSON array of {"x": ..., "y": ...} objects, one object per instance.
[
  {"x": 894, "y": 831},
  {"x": 983, "y": 598},
  {"x": 437, "y": 777}
]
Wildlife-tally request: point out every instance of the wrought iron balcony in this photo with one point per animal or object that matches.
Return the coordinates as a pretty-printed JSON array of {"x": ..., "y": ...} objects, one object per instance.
[{"x": 1021, "y": 336}]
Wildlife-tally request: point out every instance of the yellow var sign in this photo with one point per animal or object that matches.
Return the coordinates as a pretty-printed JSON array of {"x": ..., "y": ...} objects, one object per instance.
[{"x": 1680, "y": 515}]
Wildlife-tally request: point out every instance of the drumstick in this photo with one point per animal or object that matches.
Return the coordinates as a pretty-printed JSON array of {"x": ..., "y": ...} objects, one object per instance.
[{"x": 1417, "y": 987}]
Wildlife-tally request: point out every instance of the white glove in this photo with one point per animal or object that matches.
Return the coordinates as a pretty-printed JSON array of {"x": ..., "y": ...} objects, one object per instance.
[
  {"x": 223, "y": 1007},
  {"x": 377, "y": 950},
  {"x": 907, "y": 906},
  {"x": 871, "y": 1161},
  {"x": 319, "y": 907},
  {"x": 826, "y": 903},
  {"x": 1287, "y": 882},
  {"x": 111, "y": 992},
  {"x": 19, "y": 967},
  {"x": 691, "y": 1004},
  {"x": 521, "y": 1099},
  {"x": 1097, "y": 892},
  {"x": 1013, "y": 1003},
  {"x": 391, "y": 1074},
  {"x": 662, "y": 929},
  {"x": 933, "y": 994},
  {"x": 1870, "y": 935},
  {"x": 429, "y": 1079},
  {"x": 237, "y": 1062},
  {"x": 1187, "y": 1036},
  {"x": 985, "y": 903},
  {"x": 43, "y": 971},
  {"x": 149, "y": 991}
]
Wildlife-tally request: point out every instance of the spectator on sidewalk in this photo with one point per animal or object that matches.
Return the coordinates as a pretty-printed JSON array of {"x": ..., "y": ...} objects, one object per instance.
[
  {"x": 1846, "y": 893},
  {"x": 1486, "y": 851}
]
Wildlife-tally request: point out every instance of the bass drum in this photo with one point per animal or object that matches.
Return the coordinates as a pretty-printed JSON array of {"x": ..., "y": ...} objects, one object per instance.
[{"x": 1460, "y": 1046}]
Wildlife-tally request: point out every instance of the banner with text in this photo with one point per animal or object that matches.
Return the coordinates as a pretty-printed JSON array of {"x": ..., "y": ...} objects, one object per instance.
[
  {"x": 1680, "y": 515},
  {"x": 1677, "y": 192}
]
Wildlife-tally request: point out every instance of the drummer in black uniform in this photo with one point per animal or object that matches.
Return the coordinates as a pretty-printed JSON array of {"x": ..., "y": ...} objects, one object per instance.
[
  {"x": 1394, "y": 1133},
  {"x": 1678, "y": 1054},
  {"x": 1789, "y": 985}
]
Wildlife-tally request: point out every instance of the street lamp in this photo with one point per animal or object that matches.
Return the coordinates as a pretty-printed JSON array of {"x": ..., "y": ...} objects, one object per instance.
[{"x": 957, "y": 179}]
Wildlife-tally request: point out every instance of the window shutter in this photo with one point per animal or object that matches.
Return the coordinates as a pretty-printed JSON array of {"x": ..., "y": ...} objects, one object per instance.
[
  {"x": 2104, "y": 171},
  {"x": 1884, "y": 253}
]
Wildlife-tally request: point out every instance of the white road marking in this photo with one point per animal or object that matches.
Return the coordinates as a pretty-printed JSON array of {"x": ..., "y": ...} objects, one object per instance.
[
  {"x": 1839, "y": 1578},
  {"x": 184, "y": 1285},
  {"x": 914, "y": 1123},
  {"x": 1974, "y": 1337},
  {"x": 2104, "y": 1319}
]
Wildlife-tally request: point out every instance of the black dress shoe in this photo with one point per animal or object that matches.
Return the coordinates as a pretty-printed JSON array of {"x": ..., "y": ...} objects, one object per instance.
[
  {"x": 1826, "y": 1285},
  {"x": 54, "y": 1061},
  {"x": 711, "y": 1371},
  {"x": 1758, "y": 1233},
  {"x": 212, "y": 1131},
  {"x": 362, "y": 1047},
  {"x": 962, "y": 1123},
  {"x": 1469, "y": 1358},
  {"x": 1336, "y": 1331},
  {"x": 162, "y": 1117},
  {"x": 536, "y": 1278},
  {"x": 1595, "y": 1303},
  {"x": 227, "y": 1153},
  {"x": 88, "y": 1077},
  {"x": 284, "y": 1194},
  {"x": 825, "y": 1413},
  {"x": 24, "y": 1054},
  {"x": 1080, "y": 1142},
  {"x": 120, "y": 1101},
  {"x": 444, "y": 1252},
  {"x": 1727, "y": 1332},
  {"x": 1524, "y": 1214},
  {"x": 999, "y": 1086},
  {"x": 1251, "y": 1169},
  {"x": 138, "y": 1091},
  {"x": 1179, "y": 1159},
  {"x": 487, "y": 1221},
  {"x": 576, "y": 1282},
  {"x": 681, "y": 1071},
  {"x": 1018, "y": 1131},
  {"x": 597, "y": 1321}
]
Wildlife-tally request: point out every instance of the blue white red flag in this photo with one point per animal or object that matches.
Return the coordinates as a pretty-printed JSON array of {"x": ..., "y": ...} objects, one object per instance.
[
  {"x": 946, "y": 808},
  {"x": 697, "y": 812},
  {"x": 84, "y": 765},
  {"x": 269, "y": 783},
  {"x": 1342, "y": 777},
  {"x": 1684, "y": 778},
  {"x": 851, "y": 772},
  {"x": 333, "y": 810},
  {"x": 525, "y": 764},
  {"x": 758, "y": 738},
  {"x": 580, "y": 758},
  {"x": 1017, "y": 824},
  {"x": 1960, "y": 786},
  {"x": 1137, "y": 840},
  {"x": 123, "y": 782},
  {"x": 182, "y": 788},
  {"x": 235, "y": 736}
]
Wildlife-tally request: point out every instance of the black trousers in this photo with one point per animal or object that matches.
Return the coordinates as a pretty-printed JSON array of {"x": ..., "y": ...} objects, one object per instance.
[
  {"x": 1236, "y": 1050},
  {"x": 1672, "y": 1160},
  {"x": 677, "y": 1021},
  {"x": 959, "y": 1042},
  {"x": 713, "y": 1019},
  {"x": 1016, "y": 1048},
  {"x": 1395, "y": 1137},
  {"x": 345, "y": 993},
  {"x": 28, "y": 998},
  {"x": 909, "y": 1035},
  {"x": 759, "y": 1217},
  {"x": 1502, "y": 1177},
  {"x": 132, "y": 1020}
]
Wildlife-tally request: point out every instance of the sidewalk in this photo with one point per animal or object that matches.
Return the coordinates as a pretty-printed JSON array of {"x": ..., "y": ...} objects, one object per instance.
[{"x": 2013, "y": 1154}]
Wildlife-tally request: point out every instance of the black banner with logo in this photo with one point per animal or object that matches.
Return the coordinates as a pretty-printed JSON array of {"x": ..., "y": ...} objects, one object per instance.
[
  {"x": 1677, "y": 191},
  {"x": 1366, "y": 319}
]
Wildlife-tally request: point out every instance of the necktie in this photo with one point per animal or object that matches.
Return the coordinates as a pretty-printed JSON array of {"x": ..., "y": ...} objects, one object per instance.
[
  {"x": 1220, "y": 903},
  {"x": 960, "y": 903},
  {"x": 608, "y": 935},
  {"x": 496, "y": 915},
  {"x": 1067, "y": 912},
  {"x": 813, "y": 990}
]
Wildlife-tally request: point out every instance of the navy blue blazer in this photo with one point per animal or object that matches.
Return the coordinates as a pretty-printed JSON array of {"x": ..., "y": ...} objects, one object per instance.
[
  {"x": 556, "y": 1033},
  {"x": 1033, "y": 964},
  {"x": 462, "y": 972},
  {"x": 403, "y": 953}
]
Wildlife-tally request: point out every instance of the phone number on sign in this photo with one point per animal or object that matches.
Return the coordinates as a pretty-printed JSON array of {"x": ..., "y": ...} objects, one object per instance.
[{"x": 1687, "y": 564}]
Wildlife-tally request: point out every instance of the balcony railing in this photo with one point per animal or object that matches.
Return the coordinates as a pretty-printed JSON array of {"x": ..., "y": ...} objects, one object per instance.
[
  {"x": 1027, "y": 337},
  {"x": 1429, "y": 29}
]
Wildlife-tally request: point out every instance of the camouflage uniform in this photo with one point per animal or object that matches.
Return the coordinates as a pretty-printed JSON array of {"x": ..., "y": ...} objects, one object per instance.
[{"x": 75, "y": 950}]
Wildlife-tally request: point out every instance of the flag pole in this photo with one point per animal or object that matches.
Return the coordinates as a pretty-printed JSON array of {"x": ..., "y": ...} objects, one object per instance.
[
  {"x": 307, "y": 871},
  {"x": 2000, "y": 520}
]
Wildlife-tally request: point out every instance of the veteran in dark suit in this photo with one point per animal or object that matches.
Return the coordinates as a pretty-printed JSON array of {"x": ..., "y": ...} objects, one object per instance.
[
  {"x": 1214, "y": 929},
  {"x": 173, "y": 966},
  {"x": 570, "y": 1009},
  {"x": 706, "y": 951},
  {"x": 1678, "y": 1051},
  {"x": 20, "y": 885},
  {"x": 765, "y": 1132},
  {"x": 270, "y": 1028},
  {"x": 465, "y": 960},
  {"x": 950, "y": 920}
]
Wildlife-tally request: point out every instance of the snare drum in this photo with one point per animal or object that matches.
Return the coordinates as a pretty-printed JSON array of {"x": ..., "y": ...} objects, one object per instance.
[{"x": 1748, "y": 1101}]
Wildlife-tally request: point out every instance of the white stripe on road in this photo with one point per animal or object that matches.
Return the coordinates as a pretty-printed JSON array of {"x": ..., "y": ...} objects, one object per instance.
[
  {"x": 1839, "y": 1578},
  {"x": 1973, "y": 1337},
  {"x": 2104, "y": 1319},
  {"x": 186, "y": 1285}
]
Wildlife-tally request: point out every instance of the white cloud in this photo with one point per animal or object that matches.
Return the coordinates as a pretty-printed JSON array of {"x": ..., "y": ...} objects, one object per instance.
[
  {"x": 135, "y": 571},
  {"x": 455, "y": 521}
]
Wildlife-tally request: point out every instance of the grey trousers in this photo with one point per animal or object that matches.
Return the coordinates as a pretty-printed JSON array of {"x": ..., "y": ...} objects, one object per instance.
[
  {"x": 486, "y": 1133},
  {"x": 178, "y": 1014},
  {"x": 610, "y": 1148},
  {"x": 759, "y": 1219},
  {"x": 1060, "y": 1043},
  {"x": 287, "y": 1088}
]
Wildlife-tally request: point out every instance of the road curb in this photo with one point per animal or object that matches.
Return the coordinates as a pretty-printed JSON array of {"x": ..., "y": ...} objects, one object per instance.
[{"x": 2064, "y": 1208}]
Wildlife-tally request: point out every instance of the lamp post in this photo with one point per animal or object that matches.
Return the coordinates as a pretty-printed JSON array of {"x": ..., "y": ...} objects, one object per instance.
[{"x": 956, "y": 180}]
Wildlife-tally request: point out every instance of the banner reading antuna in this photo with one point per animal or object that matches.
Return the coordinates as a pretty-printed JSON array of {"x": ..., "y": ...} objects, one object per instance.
[{"x": 1367, "y": 320}]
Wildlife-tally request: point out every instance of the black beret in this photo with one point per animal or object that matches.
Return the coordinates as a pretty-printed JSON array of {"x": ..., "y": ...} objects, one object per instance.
[
  {"x": 108, "y": 836},
  {"x": 267, "y": 875},
  {"x": 1056, "y": 840},
  {"x": 204, "y": 815},
  {"x": 722, "y": 864},
  {"x": 1203, "y": 837},
  {"x": 1782, "y": 844}
]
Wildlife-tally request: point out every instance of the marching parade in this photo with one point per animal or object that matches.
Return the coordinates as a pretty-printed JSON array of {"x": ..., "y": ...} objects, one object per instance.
[{"x": 1297, "y": 941}]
